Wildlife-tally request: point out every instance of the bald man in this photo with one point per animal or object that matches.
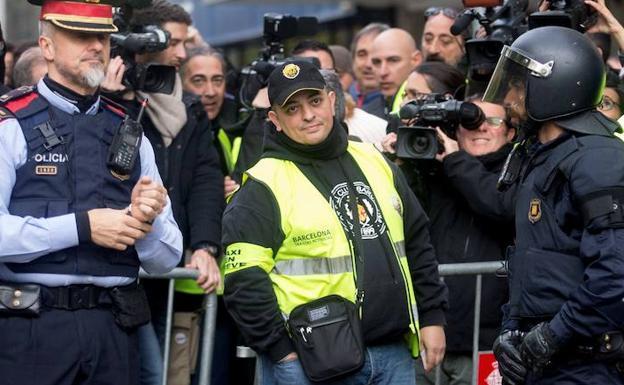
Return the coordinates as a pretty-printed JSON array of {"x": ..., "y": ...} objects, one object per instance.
[{"x": 394, "y": 56}]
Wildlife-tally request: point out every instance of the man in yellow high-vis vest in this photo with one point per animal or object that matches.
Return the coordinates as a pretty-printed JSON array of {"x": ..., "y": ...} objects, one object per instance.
[{"x": 291, "y": 238}]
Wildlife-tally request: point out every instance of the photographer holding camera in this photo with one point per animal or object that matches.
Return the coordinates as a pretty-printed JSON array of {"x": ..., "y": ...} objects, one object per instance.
[
  {"x": 463, "y": 229},
  {"x": 178, "y": 127},
  {"x": 77, "y": 219}
]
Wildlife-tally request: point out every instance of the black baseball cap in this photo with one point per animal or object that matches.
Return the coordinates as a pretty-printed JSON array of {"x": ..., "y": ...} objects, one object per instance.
[{"x": 292, "y": 77}]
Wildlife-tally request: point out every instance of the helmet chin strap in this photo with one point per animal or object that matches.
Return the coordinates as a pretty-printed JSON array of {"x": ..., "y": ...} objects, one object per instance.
[{"x": 528, "y": 128}]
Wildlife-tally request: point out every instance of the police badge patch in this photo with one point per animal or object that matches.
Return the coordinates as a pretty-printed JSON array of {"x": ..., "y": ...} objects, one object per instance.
[{"x": 535, "y": 210}]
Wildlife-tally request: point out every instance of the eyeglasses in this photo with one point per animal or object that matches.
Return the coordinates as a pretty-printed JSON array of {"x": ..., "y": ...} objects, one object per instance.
[
  {"x": 451, "y": 13},
  {"x": 494, "y": 121},
  {"x": 607, "y": 104}
]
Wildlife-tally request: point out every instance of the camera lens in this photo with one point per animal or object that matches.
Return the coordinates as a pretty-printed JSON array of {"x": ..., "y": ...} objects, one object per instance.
[{"x": 420, "y": 144}]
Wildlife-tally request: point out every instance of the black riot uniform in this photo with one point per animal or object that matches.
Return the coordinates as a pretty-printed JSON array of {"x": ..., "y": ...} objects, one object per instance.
[{"x": 563, "y": 322}]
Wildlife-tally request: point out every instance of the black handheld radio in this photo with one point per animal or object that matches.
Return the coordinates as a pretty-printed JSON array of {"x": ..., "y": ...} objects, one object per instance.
[{"x": 124, "y": 150}]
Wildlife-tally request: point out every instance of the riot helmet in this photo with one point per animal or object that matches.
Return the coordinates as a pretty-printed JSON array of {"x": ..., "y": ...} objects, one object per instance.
[{"x": 548, "y": 73}]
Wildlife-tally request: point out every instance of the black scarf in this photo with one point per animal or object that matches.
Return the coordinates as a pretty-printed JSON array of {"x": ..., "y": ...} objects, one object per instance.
[
  {"x": 83, "y": 102},
  {"x": 332, "y": 147}
]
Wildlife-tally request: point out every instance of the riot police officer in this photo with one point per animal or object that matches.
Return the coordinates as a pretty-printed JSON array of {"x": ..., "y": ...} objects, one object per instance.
[{"x": 563, "y": 322}]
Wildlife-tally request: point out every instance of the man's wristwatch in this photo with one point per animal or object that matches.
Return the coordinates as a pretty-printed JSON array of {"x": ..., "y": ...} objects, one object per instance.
[{"x": 208, "y": 247}]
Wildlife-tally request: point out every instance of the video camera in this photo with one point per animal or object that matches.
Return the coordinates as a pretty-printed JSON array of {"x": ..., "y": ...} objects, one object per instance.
[
  {"x": 505, "y": 20},
  {"x": 503, "y": 23},
  {"x": 419, "y": 140},
  {"x": 146, "y": 39},
  {"x": 277, "y": 28},
  {"x": 573, "y": 14}
]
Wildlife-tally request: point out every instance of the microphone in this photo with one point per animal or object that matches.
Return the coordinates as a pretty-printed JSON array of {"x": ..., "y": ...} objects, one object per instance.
[{"x": 461, "y": 23}]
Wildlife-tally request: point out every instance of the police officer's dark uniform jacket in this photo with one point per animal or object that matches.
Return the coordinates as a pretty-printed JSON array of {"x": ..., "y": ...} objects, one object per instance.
[
  {"x": 385, "y": 316},
  {"x": 566, "y": 270},
  {"x": 71, "y": 183}
]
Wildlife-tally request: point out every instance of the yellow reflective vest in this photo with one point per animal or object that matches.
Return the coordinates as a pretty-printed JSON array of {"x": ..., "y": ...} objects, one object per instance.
[{"x": 316, "y": 258}]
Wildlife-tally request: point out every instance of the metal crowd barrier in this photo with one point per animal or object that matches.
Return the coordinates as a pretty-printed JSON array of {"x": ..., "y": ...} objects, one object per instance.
[
  {"x": 208, "y": 329},
  {"x": 477, "y": 268}
]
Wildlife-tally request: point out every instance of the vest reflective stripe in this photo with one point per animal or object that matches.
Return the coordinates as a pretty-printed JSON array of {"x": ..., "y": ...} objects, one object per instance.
[
  {"x": 231, "y": 150},
  {"x": 309, "y": 266},
  {"x": 311, "y": 228}
]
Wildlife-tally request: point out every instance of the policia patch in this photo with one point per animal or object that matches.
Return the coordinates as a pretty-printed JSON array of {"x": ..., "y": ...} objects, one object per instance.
[{"x": 535, "y": 210}]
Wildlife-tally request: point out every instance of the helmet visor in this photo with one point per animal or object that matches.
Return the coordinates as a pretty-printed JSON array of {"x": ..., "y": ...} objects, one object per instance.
[{"x": 508, "y": 80}]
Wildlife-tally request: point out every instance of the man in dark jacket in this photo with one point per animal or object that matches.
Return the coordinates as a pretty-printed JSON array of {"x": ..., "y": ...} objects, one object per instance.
[
  {"x": 321, "y": 217},
  {"x": 179, "y": 130}
]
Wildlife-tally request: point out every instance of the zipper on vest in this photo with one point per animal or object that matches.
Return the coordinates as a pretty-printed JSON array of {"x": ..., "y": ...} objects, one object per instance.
[{"x": 389, "y": 263}]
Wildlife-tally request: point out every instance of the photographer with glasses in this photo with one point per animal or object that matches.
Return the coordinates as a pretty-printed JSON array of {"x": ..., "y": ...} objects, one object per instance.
[{"x": 470, "y": 220}]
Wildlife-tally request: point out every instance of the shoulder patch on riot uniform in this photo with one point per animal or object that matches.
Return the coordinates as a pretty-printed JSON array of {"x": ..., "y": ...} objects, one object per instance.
[{"x": 535, "y": 210}]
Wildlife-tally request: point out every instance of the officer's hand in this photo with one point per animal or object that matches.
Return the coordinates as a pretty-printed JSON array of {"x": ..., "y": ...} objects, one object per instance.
[
  {"x": 449, "y": 145},
  {"x": 230, "y": 186},
  {"x": 510, "y": 363},
  {"x": 115, "y": 229},
  {"x": 209, "y": 274},
  {"x": 538, "y": 347},
  {"x": 148, "y": 200},
  {"x": 432, "y": 346},
  {"x": 388, "y": 143},
  {"x": 114, "y": 76}
]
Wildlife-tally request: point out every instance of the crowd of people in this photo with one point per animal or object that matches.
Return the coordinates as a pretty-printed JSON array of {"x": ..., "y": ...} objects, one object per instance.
[{"x": 321, "y": 239}]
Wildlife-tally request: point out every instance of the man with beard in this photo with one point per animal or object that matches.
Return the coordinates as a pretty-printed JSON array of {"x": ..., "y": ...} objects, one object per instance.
[
  {"x": 74, "y": 230},
  {"x": 438, "y": 43}
]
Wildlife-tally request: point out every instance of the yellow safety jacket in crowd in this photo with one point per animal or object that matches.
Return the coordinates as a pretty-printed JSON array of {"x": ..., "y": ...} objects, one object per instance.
[
  {"x": 302, "y": 270},
  {"x": 231, "y": 149},
  {"x": 398, "y": 98}
]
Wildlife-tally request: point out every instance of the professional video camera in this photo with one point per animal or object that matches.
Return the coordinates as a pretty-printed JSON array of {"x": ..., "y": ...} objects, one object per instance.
[
  {"x": 565, "y": 13},
  {"x": 126, "y": 43},
  {"x": 277, "y": 28},
  {"x": 503, "y": 23},
  {"x": 419, "y": 140}
]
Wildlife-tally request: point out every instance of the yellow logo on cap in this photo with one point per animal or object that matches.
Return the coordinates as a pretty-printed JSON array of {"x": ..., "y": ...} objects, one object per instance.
[{"x": 291, "y": 71}]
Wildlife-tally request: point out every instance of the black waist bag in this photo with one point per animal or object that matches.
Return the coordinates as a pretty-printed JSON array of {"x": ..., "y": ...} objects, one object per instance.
[{"x": 328, "y": 338}]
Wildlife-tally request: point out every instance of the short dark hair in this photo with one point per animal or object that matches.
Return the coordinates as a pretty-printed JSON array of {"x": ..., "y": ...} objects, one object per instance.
[
  {"x": 312, "y": 45},
  {"x": 22, "y": 70},
  {"x": 442, "y": 78},
  {"x": 203, "y": 51},
  {"x": 370, "y": 28},
  {"x": 159, "y": 13}
]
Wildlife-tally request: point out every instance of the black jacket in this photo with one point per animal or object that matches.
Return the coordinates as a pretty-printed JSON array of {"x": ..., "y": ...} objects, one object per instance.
[
  {"x": 191, "y": 172},
  {"x": 253, "y": 217},
  {"x": 461, "y": 232}
]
